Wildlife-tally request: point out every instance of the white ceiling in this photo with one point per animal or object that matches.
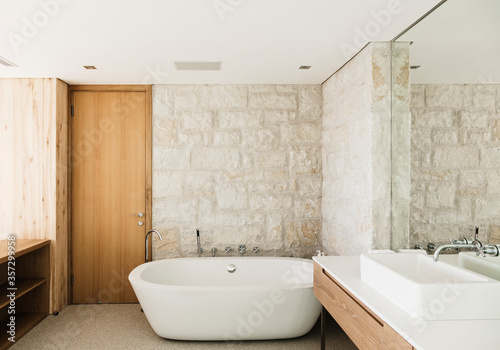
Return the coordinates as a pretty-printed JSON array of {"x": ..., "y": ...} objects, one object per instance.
[
  {"x": 134, "y": 41},
  {"x": 458, "y": 43}
]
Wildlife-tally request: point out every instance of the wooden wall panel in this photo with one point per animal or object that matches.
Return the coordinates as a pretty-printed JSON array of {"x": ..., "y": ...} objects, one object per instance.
[
  {"x": 25, "y": 188},
  {"x": 33, "y": 187},
  {"x": 59, "y": 266}
]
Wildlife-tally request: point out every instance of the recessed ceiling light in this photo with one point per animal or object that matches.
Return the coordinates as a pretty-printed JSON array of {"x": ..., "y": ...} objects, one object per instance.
[
  {"x": 6, "y": 62},
  {"x": 304, "y": 67},
  {"x": 415, "y": 67},
  {"x": 197, "y": 65},
  {"x": 89, "y": 67}
]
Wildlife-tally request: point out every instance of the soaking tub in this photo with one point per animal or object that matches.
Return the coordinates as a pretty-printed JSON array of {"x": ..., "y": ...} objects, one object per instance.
[{"x": 227, "y": 298}]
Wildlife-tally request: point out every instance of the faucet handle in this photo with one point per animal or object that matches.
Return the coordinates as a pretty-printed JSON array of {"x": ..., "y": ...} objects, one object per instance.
[
  {"x": 490, "y": 250},
  {"x": 479, "y": 248},
  {"x": 460, "y": 241}
]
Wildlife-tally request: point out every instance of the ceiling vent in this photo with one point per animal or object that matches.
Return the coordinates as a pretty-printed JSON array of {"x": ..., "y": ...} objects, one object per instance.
[
  {"x": 304, "y": 67},
  {"x": 6, "y": 62},
  {"x": 198, "y": 65}
]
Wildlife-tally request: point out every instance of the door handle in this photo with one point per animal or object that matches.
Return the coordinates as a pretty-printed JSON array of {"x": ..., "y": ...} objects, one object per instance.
[{"x": 140, "y": 214}]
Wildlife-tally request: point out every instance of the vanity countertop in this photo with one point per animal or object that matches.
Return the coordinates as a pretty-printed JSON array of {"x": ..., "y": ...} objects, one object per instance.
[{"x": 421, "y": 334}]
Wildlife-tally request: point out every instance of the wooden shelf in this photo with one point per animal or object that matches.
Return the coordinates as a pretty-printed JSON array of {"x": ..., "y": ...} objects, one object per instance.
[
  {"x": 23, "y": 246},
  {"x": 23, "y": 286},
  {"x": 24, "y": 323},
  {"x": 32, "y": 272}
]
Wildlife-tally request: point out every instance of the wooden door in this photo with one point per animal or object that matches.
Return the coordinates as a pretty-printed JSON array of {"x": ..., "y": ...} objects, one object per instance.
[{"x": 110, "y": 187}]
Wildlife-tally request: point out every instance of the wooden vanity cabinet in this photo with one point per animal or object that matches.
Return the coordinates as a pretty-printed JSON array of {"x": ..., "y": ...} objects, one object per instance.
[
  {"x": 32, "y": 273},
  {"x": 364, "y": 328}
]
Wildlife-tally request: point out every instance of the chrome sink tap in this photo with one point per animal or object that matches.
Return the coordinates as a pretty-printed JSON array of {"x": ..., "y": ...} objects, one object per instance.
[
  {"x": 462, "y": 244},
  {"x": 456, "y": 246}
]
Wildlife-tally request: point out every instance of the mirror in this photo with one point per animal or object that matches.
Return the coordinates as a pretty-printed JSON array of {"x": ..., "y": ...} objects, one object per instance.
[{"x": 446, "y": 126}]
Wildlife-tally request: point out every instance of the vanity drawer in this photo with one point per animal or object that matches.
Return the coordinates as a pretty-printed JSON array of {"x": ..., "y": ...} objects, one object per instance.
[{"x": 364, "y": 328}]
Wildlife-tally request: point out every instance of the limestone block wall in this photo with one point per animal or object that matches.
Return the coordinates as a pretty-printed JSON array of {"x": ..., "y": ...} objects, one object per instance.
[
  {"x": 356, "y": 149},
  {"x": 242, "y": 163},
  {"x": 455, "y": 155},
  {"x": 400, "y": 139}
]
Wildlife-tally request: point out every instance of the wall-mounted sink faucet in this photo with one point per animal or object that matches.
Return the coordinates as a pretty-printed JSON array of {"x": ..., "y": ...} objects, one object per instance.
[
  {"x": 214, "y": 250},
  {"x": 491, "y": 250},
  {"x": 456, "y": 246},
  {"x": 147, "y": 236}
]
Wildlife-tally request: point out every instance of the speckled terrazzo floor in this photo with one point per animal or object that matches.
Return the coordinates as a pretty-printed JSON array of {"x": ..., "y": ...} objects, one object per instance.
[{"x": 124, "y": 326}]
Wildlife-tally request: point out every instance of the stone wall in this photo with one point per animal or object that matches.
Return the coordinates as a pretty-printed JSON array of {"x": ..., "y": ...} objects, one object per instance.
[
  {"x": 356, "y": 148},
  {"x": 455, "y": 154},
  {"x": 400, "y": 139},
  {"x": 240, "y": 162}
]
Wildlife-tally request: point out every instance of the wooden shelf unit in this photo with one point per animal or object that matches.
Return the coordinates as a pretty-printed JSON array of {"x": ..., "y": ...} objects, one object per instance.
[{"x": 32, "y": 273}]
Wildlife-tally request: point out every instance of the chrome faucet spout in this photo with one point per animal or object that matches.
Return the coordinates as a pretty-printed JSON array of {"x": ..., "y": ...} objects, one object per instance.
[
  {"x": 214, "y": 250},
  {"x": 457, "y": 246},
  {"x": 147, "y": 237}
]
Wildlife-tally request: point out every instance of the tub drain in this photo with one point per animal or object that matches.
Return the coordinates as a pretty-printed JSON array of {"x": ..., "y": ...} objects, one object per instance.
[{"x": 231, "y": 268}]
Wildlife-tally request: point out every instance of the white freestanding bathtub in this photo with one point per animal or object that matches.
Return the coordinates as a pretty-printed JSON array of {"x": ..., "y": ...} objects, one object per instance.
[{"x": 199, "y": 299}]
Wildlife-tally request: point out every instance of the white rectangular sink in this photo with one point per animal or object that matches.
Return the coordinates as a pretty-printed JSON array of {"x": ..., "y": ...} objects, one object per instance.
[
  {"x": 430, "y": 290},
  {"x": 488, "y": 266}
]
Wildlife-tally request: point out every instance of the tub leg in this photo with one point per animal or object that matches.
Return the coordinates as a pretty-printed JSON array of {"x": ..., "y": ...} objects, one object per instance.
[{"x": 323, "y": 319}]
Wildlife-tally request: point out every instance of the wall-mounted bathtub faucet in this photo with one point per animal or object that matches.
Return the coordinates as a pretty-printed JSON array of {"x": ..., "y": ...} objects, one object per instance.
[
  {"x": 255, "y": 250},
  {"x": 198, "y": 244},
  {"x": 228, "y": 250},
  {"x": 431, "y": 247},
  {"x": 147, "y": 236},
  {"x": 214, "y": 250},
  {"x": 242, "y": 249}
]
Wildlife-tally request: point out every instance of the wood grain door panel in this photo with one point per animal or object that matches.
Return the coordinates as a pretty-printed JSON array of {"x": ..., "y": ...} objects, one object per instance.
[{"x": 109, "y": 190}]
